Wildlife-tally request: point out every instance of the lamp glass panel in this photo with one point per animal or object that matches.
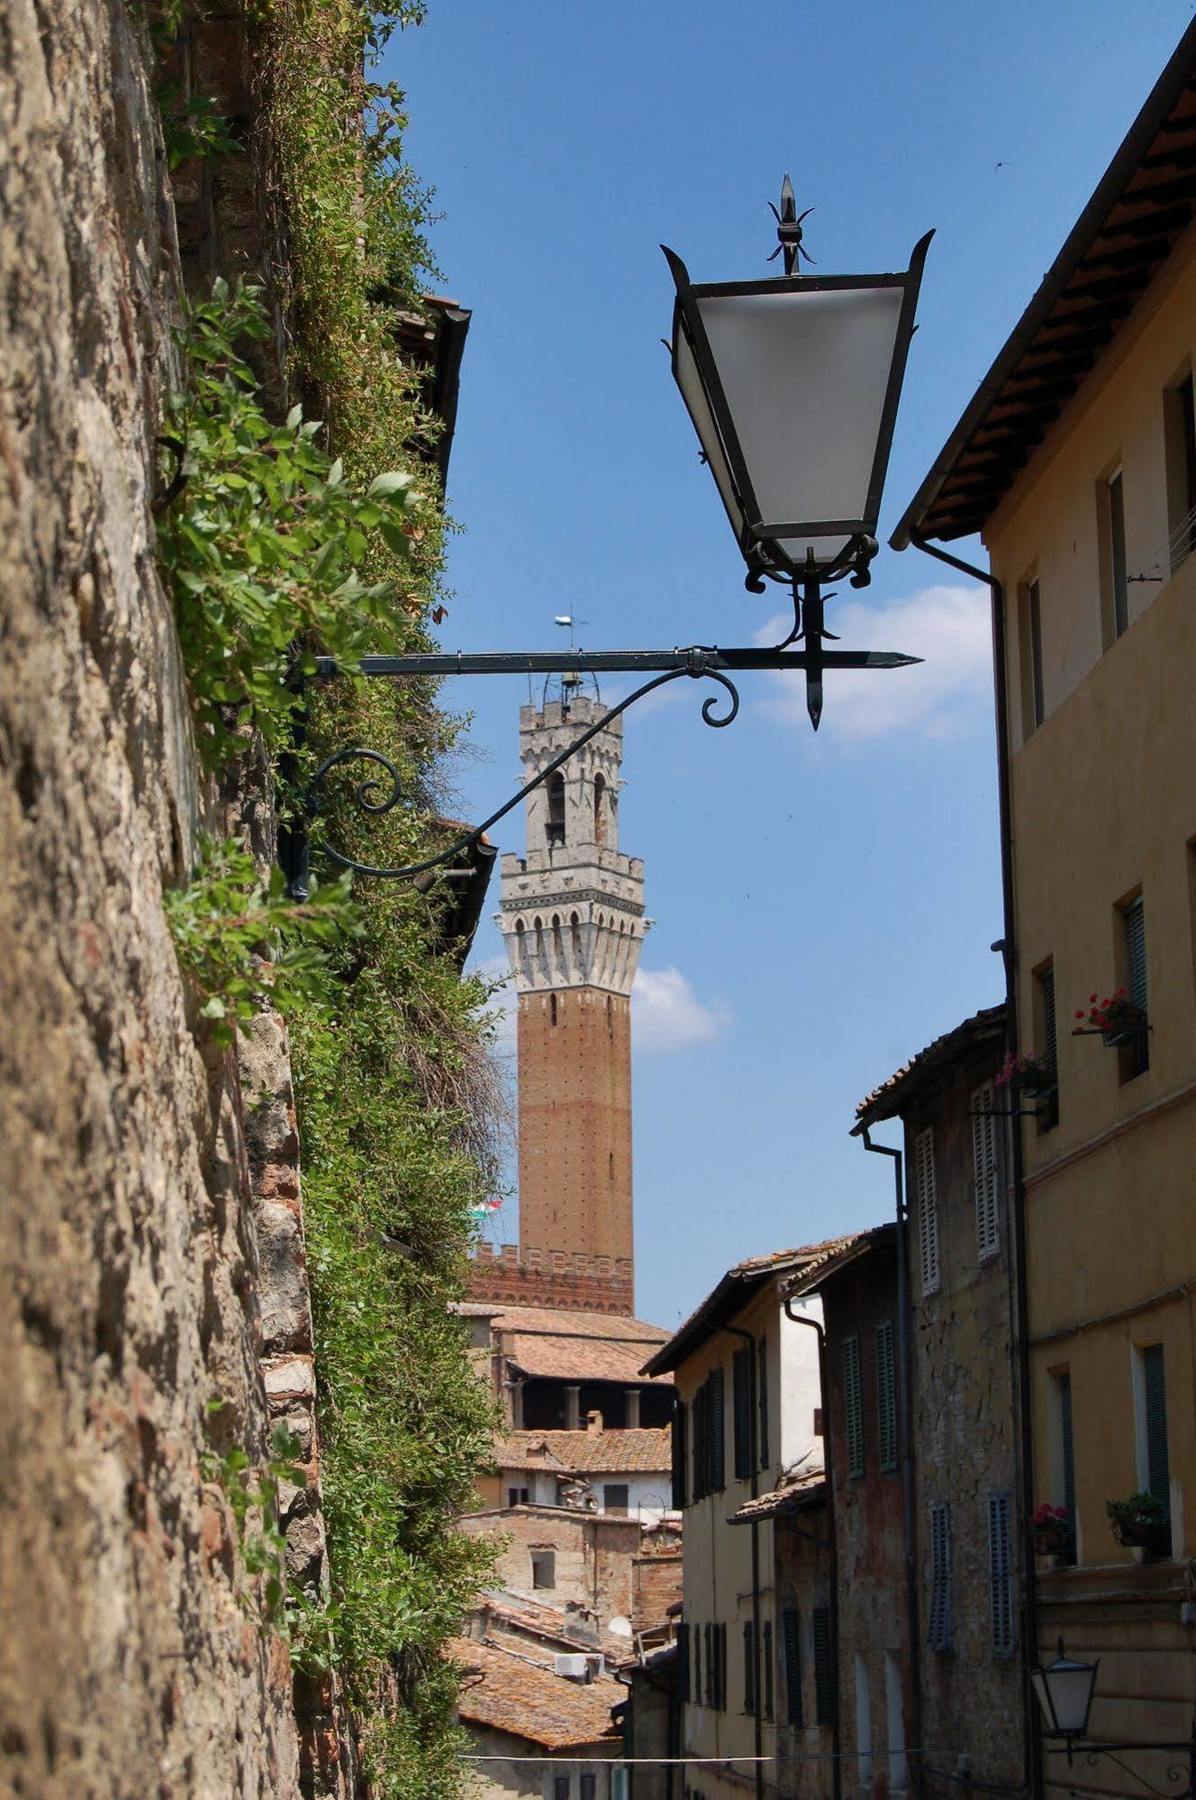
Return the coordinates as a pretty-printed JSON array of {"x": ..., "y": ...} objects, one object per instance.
[
  {"x": 694, "y": 395},
  {"x": 805, "y": 374},
  {"x": 1071, "y": 1691},
  {"x": 1043, "y": 1694}
]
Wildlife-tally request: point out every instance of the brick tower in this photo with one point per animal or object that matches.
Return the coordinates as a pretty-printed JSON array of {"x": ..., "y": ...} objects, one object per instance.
[{"x": 573, "y": 920}]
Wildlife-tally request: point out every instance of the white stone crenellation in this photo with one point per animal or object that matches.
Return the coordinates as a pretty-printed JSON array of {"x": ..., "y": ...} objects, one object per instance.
[{"x": 573, "y": 906}]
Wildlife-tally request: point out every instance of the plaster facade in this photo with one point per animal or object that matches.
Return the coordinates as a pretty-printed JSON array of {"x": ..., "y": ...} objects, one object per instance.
[{"x": 1102, "y": 814}]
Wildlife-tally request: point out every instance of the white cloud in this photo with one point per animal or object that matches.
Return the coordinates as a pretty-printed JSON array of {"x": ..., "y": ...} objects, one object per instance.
[
  {"x": 667, "y": 1014},
  {"x": 945, "y": 696}
]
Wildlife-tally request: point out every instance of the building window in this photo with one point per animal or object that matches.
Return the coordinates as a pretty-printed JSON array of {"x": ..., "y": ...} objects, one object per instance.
[
  {"x": 895, "y": 1722},
  {"x": 711, "y": 1635},
  {"x": 1135, "y": 1057},
  {"x": 985, "y": 1179},
  {"x": 517, "y": 1496},
  {"x": 863, "y": 1722},
  {"x": 615, "y": 1497},
  {"x": 1113, "y": 564},
  {"x": 762, "y": 1400},
  {"x": 853, "y": 1409},
  {"x": 720, "y": 1667},
  {"x": 709, "y": 1450},
  {"x": 555, "y": 828},
  {"x": 1033, "y": 691},
  {"x": 599, "y": 809},
  {"x": 552, "y": 1011},
  {"x": 741, "y": 1407},
  {"x": 766, "y": 1667},
  {"x": 1154, "y": 1462},
  {"x": 588, "y": 1787},
  {"x": 824, "y": 1667},
  {"x": 543, "y": 1568},
  {"x": 941, "y": 1620},
  {"x": 926, "y": 1201},
  {"x": 1179, "y": 420},
  {"x": 1065, "y": 1456},
  {"x": 683, "y": 1690},
  {"x": 791, "y": 1636},
  {"x": 680, "y": 1495},
  {"x": 886, "y": 1396},
  {"x": 749, "y": 1668},
  {"x": 1000, "y": 1574},
  {"x": 560, "y": 1787},
  {"x": 697, "y": 1659},
  {"x": 1046, "y": 1042}
]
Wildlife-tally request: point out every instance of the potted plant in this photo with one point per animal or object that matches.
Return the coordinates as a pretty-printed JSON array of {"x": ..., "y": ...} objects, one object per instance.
[
  {"x": 1029, "y": 1074},
  {"x": 1051, "y": 1526},
  {"x": 1116, "y": 1020},
  {"x": 1138, "y": 1523}
]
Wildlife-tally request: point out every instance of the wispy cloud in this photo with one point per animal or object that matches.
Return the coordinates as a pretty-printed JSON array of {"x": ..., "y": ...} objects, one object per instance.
[
  {"x": 945, "y": 696},
  {"x": 667, "y": 1013}
]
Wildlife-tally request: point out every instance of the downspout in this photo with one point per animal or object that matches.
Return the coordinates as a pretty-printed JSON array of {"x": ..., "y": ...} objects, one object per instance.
[
  {"x": 906, "y": 1427},
  {"x": 1020, "y": 1351},
  {"x": 833, "y": 1556},
  {"x": 753, "y": 1482}
]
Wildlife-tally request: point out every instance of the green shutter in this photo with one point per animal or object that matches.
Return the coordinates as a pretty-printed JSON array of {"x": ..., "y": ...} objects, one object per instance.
[
  {"x": 718, "y": 1445},
  {"x": 886, "y": 1396},
  {"x": 749, "y": 1668},
  {"x": 762, "y": 1400},
  {"x": 824, "y": 1668},
  {"x": 720, "y": 1644},
  {"x": 1158, "y": 1464},
  {"x": 791, "y": 1632},
  {"x": 853, "y": 1411},
  {"x": 766, "y": 1665},
  {"x": 711, "y": 1687},
  {"x": 741, "y": 1394}
]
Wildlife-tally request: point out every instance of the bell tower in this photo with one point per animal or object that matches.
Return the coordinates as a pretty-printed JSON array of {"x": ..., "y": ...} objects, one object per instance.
[{"x": 573, "y": 921}]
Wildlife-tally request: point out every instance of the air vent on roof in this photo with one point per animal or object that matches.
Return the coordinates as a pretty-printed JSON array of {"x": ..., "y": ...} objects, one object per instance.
[{"x": 576, "y": 1667}]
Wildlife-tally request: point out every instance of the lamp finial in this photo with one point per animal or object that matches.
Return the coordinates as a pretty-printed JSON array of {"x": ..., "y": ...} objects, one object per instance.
[{"x": 789, "y": 231}]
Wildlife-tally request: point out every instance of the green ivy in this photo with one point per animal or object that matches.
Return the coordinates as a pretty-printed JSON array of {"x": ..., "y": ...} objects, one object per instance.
[
  {"x": 243, "y": 945},
  {"x": 262, "y": 538}
]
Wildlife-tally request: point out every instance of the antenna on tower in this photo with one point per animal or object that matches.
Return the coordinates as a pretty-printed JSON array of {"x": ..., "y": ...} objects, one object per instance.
[{"x": 572, "y": 680}]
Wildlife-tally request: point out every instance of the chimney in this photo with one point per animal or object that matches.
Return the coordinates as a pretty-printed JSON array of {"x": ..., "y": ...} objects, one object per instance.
[{"x": 593, "y": 1421}]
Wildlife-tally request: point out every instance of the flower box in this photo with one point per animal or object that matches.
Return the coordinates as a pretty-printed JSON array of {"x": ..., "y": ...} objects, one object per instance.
[
  {"x": 1140, "y": 1523},
  {"x": 1117, "y": 1020}
]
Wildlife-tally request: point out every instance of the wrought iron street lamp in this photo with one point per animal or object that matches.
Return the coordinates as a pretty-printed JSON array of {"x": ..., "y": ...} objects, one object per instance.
[
  {"x": 792, "y": 383},
  {"x": 1065, "y": 1688}
]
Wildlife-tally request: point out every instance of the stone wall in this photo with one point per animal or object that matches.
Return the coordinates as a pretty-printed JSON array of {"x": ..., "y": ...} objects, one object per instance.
[{"x": 130, "y": 1265}]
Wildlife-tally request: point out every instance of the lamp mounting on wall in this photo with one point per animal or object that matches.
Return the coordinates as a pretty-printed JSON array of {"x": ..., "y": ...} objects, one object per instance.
[{"x": 792, "y": 383}]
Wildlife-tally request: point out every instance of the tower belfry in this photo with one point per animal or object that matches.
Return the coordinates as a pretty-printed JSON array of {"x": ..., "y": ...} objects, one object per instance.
[{"x": 573, "y": 921}]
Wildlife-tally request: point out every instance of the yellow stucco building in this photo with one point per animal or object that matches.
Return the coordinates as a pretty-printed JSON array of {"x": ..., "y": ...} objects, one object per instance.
[{"x": 1076, "y": 462}]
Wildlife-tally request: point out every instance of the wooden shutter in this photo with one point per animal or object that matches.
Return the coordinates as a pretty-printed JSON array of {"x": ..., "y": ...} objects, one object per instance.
[
  {"x": 711, "y": 1692},
  {"x": 853, "y": 1411},
  {"x": 1068, "y": 1458},
  {"x": 680, "y": 1495},
  {"x": 749, "y": 1668},
  {"x": 984, "y": 1171},
  {"x": 1048, "y": 1108},
  {"x": 718, "y": 1445},
  {"x": 683, "y": 1661},
  {"x": 1000, "y": 1574},
  {"x": 720, "y": 1644},
  {"x": 1134, "y": 919},
  {"x": 741, "y": 1406},
  {"x": 766, "y": 1666},
  {"x": 791, "y": 1635},
  {"x": 696, "y": 1646},
  {"x": 762, "y": 1400},
  {"x": 886, "y": 1396},
  {"x": 1158, "y": 1464},
  {"x": 940, "y": 1621},
  {"x": 926, "y": 1200},
  {"x": 824, "y": 1668}
]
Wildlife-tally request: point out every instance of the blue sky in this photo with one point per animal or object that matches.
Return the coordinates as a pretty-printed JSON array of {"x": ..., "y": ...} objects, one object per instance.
[{"x": 824, "y": 906}]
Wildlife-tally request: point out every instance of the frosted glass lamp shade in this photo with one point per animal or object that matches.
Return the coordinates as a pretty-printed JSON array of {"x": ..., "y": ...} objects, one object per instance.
[
  {"x": 792, "y": 386},
  {"x": 1064, "y": 1689}
]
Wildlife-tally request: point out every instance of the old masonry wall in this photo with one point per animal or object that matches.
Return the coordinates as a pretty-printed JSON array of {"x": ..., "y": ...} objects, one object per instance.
[{"x": 151, "y": 1258}]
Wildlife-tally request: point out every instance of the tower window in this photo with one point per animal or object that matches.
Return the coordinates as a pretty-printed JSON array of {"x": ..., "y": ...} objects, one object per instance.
[
  {"x": 555, "y": 830},
  {"x": 552, "y": 1007},
  {"x": 599, "y": 809}
]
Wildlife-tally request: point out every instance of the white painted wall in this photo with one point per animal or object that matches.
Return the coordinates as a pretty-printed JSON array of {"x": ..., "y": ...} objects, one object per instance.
[
  {"x": 649, "y": 1496},
  {"x": 794, "y": 1391}
]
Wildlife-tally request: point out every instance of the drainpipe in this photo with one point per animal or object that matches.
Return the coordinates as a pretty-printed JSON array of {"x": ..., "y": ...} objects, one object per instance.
[
  {"x": 906, "y": 1423},
  {"x": 753, "y": 1482},
  {"x": 1020, "y": 1352},
  {"x": 833, "y": 1557}
]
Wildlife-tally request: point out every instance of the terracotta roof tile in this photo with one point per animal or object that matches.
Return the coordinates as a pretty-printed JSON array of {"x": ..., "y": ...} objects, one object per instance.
[
  {"x": 645, "y": 1448},
  {"x": 574, "y": 1358},
  {"x": 506, "y": 1686},
  {"x": 568, "y": 1631},
  {"x": 558, "y": 1322},
  {"x": 790, "y": 1496},
  {"x": 884, "y": 1101}
]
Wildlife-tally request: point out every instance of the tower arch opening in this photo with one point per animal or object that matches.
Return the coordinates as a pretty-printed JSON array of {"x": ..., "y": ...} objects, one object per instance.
[
  {"x": 554, "y": 830},
  {"x": 600, "y": 809}
]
